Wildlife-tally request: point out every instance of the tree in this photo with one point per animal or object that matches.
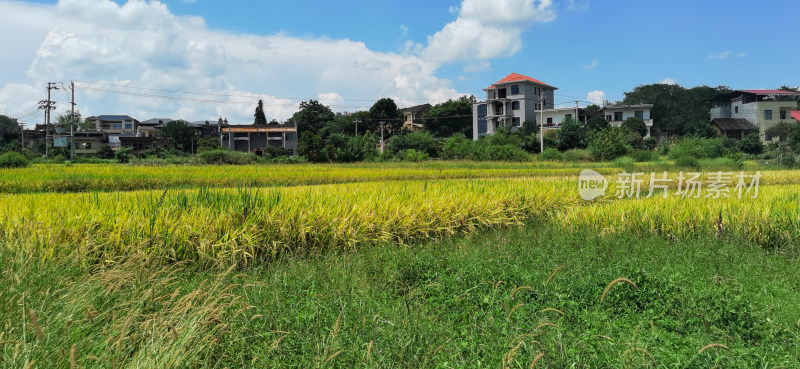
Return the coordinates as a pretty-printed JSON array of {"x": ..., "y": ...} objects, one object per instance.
[
  {"x": 751, "y": 144},
  {"x": 274, "y": 122},
  {"x": 790, "y": 89},
  {"x": 571, "y": 135},
  {"x": 593, "y": 107},
  {"x": 609, "y": 144},
  {"x": 180, "y": 133},
  {"x": 597, "y": 123},
  {"x": 450, "y": 117},
  {"x": 674, "y": 105},
  {"x": 10, "y": 133},
  {"x": 421, "y": 141},
  {"x": 529, "y": 133},
  {"x": 311, "y": 146},
  {"x": 635, "y": 125},
  {"x": 81, "y": 125},
  {"x": 385, "y": 110},
  {"x": 311, "y": 117},
  {"x": 260, "y": 120}
]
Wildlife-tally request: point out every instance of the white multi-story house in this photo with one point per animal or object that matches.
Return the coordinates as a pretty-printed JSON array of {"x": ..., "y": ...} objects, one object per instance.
[
  {"x": 616, "y": 114},
  {"x": 762, "y": 108},
  {"x": 511, "y": 101}
]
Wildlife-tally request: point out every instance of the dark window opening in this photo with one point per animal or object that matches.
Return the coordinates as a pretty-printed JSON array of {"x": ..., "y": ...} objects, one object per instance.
[
  {"x": 515, "y": 105},
  {"x": 501, "y": 93},
  {"x": 617, "y": 116},
  {"x": 639, "y": 114},
  {"x": 768, "y": 114},
  {"x": 515, "y": 89},
  {"x": 550, "y": 120}
]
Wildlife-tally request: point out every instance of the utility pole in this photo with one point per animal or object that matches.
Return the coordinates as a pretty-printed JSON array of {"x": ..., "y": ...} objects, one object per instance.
[
  {"x": 382, "y": 137},
  {"x": 356, "y": 122},
  {"x": 578, "y": 119},
  {"x": 22, "y": 132},
  {"x": 47, "y": 105},
  {"x": 72, "y": 122},
  {"x": 541, "y": 123}
]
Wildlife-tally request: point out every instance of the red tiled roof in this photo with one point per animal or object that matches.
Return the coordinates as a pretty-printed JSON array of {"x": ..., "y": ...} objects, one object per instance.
[
  {"x": 769, "y": 92},
  {"x": 796, "y": 114},
  {"x": 514, "y": 77}
]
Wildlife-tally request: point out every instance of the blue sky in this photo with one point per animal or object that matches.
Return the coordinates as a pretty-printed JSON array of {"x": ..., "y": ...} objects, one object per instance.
[{"x": 350, "y": 53}]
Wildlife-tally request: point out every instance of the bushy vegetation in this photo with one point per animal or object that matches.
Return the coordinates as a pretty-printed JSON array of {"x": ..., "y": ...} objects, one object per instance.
[
  {"x": 13, "y": 159},
  {"x": 609, "y": 144},
  {"x": 226, "y": 157},
  {"x": 697, "y": 147},
  {"x": 551, "y": 154}
]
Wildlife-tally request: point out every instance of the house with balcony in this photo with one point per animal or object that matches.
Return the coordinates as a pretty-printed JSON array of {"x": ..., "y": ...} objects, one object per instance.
[
  {"x": 761, "y": 108},
  {"x": 114, "y": 126},
  {"x": 510, "y": 102},
  {"x": 247, "y": 138},
  {"x": 412, "y": 117},
  {"x": 616, "y": 114},
  {"x": 553, "y": 118}
]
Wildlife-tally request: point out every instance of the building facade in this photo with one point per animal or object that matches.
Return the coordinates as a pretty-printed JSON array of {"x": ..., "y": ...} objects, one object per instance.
[
  {"x": 114, "y": 126},
  {"x": 762, "y": 108},
  {"x": 413, "y": 117},
  {"x": 511, "y": 101},
  {"x": 247, "y": 138},
  {"x": 616, "y": 114}
]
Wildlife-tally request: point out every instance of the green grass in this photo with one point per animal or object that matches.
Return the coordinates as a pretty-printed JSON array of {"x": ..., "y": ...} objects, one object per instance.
[{"x": 436, "y": 305}]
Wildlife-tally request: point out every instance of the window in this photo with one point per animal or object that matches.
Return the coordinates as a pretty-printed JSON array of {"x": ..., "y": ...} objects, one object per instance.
[
  {"x": 515, "y": 105},
  {"x": 736, "y": 109},
  {"x": 128, "y": 126},
  {"x": 568, "y": 116},
  {"x": 617, "y": 116},
  {"x": 491, "y": 95},
  {"x": 516, "y": 122},
  {"x": 608, "y": 118},
  {"x": 501, "y": 93},
  {"x": 639, "y": 114},
  {"x": 768, "y": 114},
  {"x": 767, "y": 137},
  {"x": 515, "y": 89},
  {"x": 549, "y": 120},
  {"x": 783, "y": 114}
]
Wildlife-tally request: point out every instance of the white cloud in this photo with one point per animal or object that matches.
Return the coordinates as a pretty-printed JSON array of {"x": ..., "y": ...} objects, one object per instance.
[
  {"x": 741, "y": 55},
  {"x": 668, "y": 81},
  {"x": 143, "y": 44},
  {"x": 590, "y": 65},
  {"x": 478, "y": 66},
  {"x": 578, "y": 5},
  {"x": 596, "y": 97},
  {"x": 486, "y": 29},
  {"x": 403, "y": 30},
  {"x": 721, "y": 55}
]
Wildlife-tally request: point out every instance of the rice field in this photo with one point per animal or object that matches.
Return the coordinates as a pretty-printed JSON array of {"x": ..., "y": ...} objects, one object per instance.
[
  {"x": 222, "y": 225},
  {"x": 392, "y": 265}
]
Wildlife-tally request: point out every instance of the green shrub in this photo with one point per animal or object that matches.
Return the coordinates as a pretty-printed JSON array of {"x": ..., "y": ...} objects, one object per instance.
[
  {"x": 105, "y": 152},
  {"x": 637, "y": 125},
  {"x": 421, "y": 141},
  {"x": 123, "y": 155},
  {"x": 225, "y": 157},
  {"x": 576, "y": 155},
  {"x": 456, "y": 147},
  {"x": 751, "y": 144},
  {"x": 624, "y": 162},
  {"x": 697, "y": 147},
  {"x": 609, "y": 144},
  {"x": 644, "y": 155},
  {"x": 414, "y": 155},
  {"x": 13, "y": 159},
  {"x": 551, "y": 154},
  {"x": 687, "y": 161}
]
